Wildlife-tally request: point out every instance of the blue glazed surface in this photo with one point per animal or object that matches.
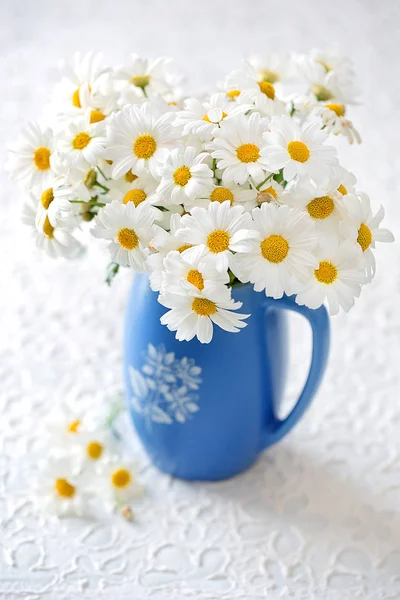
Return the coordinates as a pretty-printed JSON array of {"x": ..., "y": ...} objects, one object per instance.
[{"x": 206, "y": 411}]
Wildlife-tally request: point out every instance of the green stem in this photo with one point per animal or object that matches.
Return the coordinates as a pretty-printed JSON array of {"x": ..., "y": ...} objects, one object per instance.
[
  {"x": 103, "y": 187},
  {"x": 101, "y": 173},
  {"x": 265, "y": 181},
  {"x": 89, "y": 203}
]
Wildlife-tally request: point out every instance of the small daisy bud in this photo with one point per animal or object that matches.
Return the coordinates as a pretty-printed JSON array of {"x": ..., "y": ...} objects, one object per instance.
[{"x": 127, "y": 512}]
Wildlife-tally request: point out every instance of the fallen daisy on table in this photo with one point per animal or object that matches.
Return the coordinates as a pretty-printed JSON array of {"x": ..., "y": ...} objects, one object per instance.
[
  {"x": 60, "y": 490},
  {"x": 85, "y": 468},
  {"x": 239, "y": 186}
]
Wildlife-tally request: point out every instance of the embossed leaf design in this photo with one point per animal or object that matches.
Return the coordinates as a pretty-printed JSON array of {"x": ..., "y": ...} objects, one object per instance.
[
  {"x": 163, "y": 390},
  {"x": 158, "y": 415}
]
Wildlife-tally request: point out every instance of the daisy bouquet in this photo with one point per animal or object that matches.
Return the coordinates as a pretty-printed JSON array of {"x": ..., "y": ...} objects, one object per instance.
[{"x": 206, "y": 192}]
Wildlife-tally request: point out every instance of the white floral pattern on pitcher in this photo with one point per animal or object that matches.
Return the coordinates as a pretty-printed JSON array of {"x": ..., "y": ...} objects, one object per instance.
[{"x": 163, "y": 391}]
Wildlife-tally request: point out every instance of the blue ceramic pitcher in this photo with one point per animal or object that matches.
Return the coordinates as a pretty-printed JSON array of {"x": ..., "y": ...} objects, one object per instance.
[{"x": 206, "y": 411}]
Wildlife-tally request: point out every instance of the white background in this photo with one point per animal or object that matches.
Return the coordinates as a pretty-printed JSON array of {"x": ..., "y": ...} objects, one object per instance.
[{"x": 318, "y": 517}]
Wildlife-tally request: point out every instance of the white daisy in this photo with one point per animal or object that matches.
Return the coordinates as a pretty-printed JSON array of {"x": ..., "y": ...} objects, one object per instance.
[
  {"x": 283, "y": 253},
  {"x": 130, "y": 230},
  {"x": 366, "y": 229},
  {"x": 58, "y": 489},
  {"x": 54, "y": 202},
  {"x": 162, "y": 243},
  {"x": 263, "y": 104},
  {"x": 216, "y": 232},
  {"x": 55, "y": 240},
  {"x": 271, "y": 67},
  {"x": 193, "y": 314},
  {"x": 238, "y": 145},
  {"x": 116, "y": 482},
  {"x": 81, "y": 86},
  {"x": 327, "y": 83},
  {"x": 82, "y": 142},
  {"x": 202, "y": 118},
  {"x": 184, "y": 176},
  {"x": 341, "y": 65},
  {"x": 61, "y": 429},
  {"x": 235, "y": 194},
  {"x": 343, "y": 181},
  {"x": 334, "y": 120},
  {"x": 92, "y": 447},
  {"x": 337, "y": 278},
  {"x": 247, "y": 79},
  {"x": 182, "y": 273},
  {"x": 100, "y": 102},
  {"x": 138, "y": 140},
  {"x": 30, "y": 157},
  {"x": 323, "y": 203},
  {"x": 80, "y": 178},
  {"x": 298, "y": 150},
  {"x": 148, "y": 77},
  {"x": 137, "y": 190}
]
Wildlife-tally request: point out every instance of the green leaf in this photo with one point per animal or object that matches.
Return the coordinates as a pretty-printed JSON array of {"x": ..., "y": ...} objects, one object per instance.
[{"x": 112, "y": 271}]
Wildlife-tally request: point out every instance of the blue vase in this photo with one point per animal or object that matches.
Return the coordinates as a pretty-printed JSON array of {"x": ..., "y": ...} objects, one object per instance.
[{"x": 206, "y": 411}]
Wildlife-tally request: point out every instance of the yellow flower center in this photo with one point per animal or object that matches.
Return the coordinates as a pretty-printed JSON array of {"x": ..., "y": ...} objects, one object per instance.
[
  {"x": 224, "y": 114},
  {"x": 195, "y": 278},
  {"x": 184, "y": 247},
  {"x": 182, "y": 175},
  {"x": 73, "y": 427},
  {"x": 96, "y": 116},
  {"x": 321, "y": 93},
  {"x": 81, "y": 140},
  {"x": 269, "y": 76},
  {"x": 94, "y": 450},
  {"x": 248, "y": 153},
  {"x": 204, "y": 307},
  {"x": 144, "y": 146},
  {"x": 339, "y": 109},
  {"x": 298, "y": 151},
  {"x": 47, "y": 198},
  {"x": 41, "y": 158},
  {"x": 128, "y": 238},
  {"x": 48, "y": 228},
  {"x": 274, "y": 248},
  {"x": 267, "y": 88},
  {"x": 121, "y": 478},
  {"x": 129, "y": 176},
  {"x": 342, "y": 190},
  {"x": 364, "y": 237},
  {"x": 221, "y": 194},
  {"x": 326, "y": 272},
  {"x": 321, "y": 207},
  {"x": 135, "y": 196},
  {"x": 64, "y": 488},
  {"x": 75, "y": 99},
  {"x": 232, "y": 94},
  {"x": 218, "y": 241},
  {"x": 140, "y": 80}
]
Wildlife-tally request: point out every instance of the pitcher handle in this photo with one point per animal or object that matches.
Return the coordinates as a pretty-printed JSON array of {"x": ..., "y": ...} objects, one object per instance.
[{"x": 319, "y": 321}]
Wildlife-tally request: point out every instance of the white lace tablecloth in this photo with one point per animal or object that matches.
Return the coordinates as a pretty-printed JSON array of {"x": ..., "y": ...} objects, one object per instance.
[{"x": 318, "y": 517}]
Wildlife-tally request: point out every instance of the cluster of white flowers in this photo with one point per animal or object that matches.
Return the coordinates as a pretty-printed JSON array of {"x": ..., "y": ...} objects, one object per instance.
[
  {"x": 208, "y": 192},
  {"x": 85, "y": 469}
]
